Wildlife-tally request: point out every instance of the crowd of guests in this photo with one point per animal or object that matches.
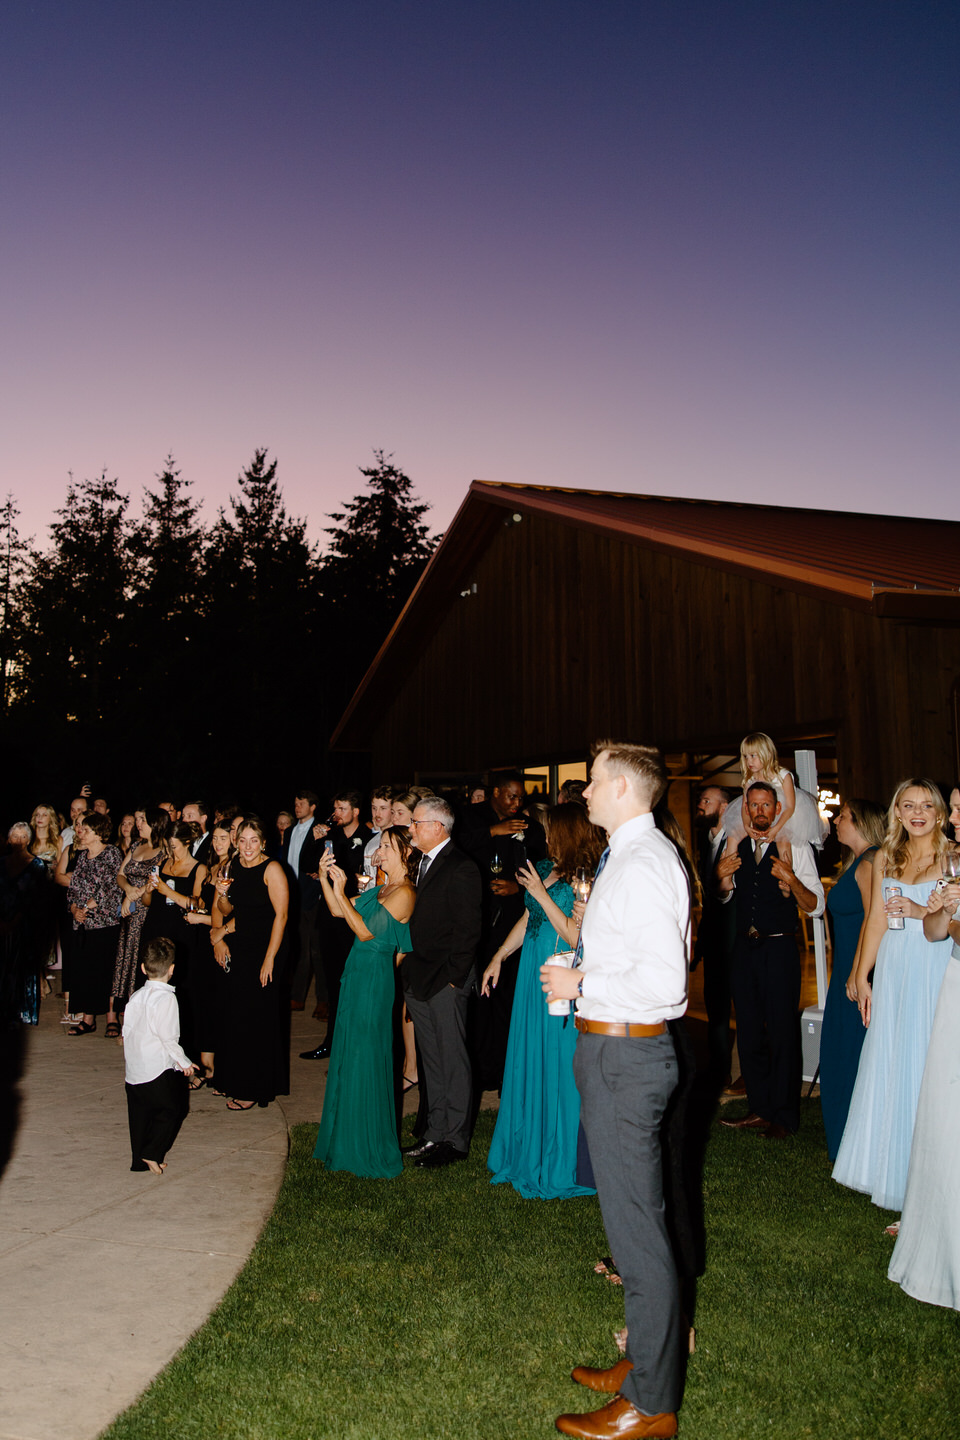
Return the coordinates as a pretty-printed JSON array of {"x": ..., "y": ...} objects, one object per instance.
[
  {"x": 431, "y": 932},
  {"x": 890, "y": 1041}
]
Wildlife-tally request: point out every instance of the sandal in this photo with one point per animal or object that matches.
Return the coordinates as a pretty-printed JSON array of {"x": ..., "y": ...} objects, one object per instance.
[
  {"x": 112, "y": 1031},
  {"x": 608, "y": 1270},
  {"x": 892, "y": 1230},
  {"x": 82, "y": 1028},
  {"x": 237, "y": 1105},
  {"x": 409, "y": 1084},
  {"x": 197, "y": 1082}
]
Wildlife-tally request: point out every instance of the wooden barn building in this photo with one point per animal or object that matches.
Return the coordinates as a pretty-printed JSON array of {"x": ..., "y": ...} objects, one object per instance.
[{"x": 549, "y": 617}]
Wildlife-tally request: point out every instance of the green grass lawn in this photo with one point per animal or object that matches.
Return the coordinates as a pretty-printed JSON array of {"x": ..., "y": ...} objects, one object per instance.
[{"x": 438, "y": 1305}]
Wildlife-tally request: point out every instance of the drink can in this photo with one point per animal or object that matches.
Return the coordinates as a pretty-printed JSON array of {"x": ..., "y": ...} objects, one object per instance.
[{"x": 894, "y": 922}]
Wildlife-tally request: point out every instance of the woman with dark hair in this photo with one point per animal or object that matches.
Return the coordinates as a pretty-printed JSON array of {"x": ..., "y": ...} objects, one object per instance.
[
  {"x": 250, "y": 909},
  {"x": 358, "y": 1129},
  {"x": 899, "y": 1006},
  {"x": 208, "y": 978},
  {"x": 860, "y": 825},
  {"x": 133, "y": 878},
  {"x": 535, "y": 1142},
  {"x": 94, "y": 900},
  {"x": 173, "y": 890}
]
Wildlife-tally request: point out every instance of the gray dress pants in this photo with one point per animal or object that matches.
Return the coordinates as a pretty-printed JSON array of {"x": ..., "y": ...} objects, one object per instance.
[
  {"x": 440, "y": 1024},
  {"x": 624, "y": 1086}
]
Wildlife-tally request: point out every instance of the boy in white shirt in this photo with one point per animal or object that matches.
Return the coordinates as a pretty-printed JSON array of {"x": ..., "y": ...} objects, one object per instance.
[{"x": 156, "y": 1066}]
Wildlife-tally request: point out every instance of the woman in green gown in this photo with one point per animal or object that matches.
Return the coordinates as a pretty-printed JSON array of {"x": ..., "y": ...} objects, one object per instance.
[{"x": 358, "y": 1130}]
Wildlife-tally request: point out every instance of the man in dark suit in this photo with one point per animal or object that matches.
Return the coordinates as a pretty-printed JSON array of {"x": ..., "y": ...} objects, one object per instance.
[
  {"x": 348, "y": 838},
  {"x": 766, "y": 965},
  {"x": 437, "y": 977},
  {"x": 715, "y": 932},
  {"x": 499, "y": 829}
]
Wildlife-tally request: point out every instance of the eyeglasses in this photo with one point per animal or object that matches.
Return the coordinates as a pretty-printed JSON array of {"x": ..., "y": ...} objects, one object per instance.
[{"x": 424, "y": 822}]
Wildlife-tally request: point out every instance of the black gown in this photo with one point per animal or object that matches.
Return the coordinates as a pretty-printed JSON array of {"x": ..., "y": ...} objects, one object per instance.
[
  {"x": 249, "y": 1059},
  {"x": 168, "y": 919}
]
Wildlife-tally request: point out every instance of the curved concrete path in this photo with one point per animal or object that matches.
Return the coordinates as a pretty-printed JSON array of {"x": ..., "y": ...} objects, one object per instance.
[{"x": 104, "y": 1274}]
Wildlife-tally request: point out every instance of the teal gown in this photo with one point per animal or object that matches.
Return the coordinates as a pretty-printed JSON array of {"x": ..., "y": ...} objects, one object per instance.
[
  {"x": 358, "y": 1127},
  {"x": 535, "y": 1141}
]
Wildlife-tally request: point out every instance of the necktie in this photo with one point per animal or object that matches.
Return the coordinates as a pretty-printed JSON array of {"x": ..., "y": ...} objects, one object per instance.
[
  {"x": 424, "y": 867},
  {"x": 578, "y": 953},
  {"x": 758, "y": 850}
]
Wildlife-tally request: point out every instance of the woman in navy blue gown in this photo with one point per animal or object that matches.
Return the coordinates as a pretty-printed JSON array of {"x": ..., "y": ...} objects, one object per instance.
[{"x": 860, "y": 828}]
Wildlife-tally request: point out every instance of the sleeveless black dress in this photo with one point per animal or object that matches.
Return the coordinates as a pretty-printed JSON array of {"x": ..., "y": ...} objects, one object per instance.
[
  {"x": 249, "y": 1061},
  {"x": 166, "y": 918}
]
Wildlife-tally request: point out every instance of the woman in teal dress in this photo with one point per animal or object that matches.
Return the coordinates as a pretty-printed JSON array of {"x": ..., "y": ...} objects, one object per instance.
[
  {"x": 860, "y": 828},
  {"x": 535, "y": 1141},
  {"x": 358, "y": 1129}
]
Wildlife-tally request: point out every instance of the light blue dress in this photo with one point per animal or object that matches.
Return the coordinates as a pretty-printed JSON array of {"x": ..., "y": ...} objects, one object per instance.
[
  {"x": 535, "y": 1141},
  {"x": 874, "y": 1153},
  {"x": 926, "y": 1260}
]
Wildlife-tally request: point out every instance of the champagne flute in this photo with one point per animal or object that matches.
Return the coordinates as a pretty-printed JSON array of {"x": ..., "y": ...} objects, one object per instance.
[
  {"x": 583, "y": 883},
  {"x": 951, "y": 863}
]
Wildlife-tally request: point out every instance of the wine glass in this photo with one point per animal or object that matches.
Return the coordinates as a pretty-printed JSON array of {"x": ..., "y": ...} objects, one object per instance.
[
  {"x": 951, "y": 863},
  {"x": 363, "y": 880},
  {"x": 583, "y": 883},
  {"x": 496, "y": 865}
]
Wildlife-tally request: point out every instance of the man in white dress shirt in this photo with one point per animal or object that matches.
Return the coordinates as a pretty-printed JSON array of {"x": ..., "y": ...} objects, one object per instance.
[{"x": 633, "y": 979}]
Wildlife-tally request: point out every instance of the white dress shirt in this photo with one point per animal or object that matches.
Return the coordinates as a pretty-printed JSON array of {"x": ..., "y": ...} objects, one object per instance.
[
  {"x": 372, "y": 845},
  {"x": 429, "y": 857},
  {"x": 151, "y": 1033},
  {"x": 298, "y": 833},
  {"x": 636, "y": 930},
  {"x": 803, "y": 866}
]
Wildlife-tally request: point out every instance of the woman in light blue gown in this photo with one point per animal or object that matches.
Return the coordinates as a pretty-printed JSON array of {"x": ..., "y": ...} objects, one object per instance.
[
  {"x": 898, "y": 1008},
  {"x": 535, "y": 1141},
  {"x": 926, "y": 1260}
]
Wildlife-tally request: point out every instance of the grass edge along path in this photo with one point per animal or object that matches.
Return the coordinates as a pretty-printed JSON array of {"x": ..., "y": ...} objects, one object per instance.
[{"x": 438, "y": 1305}]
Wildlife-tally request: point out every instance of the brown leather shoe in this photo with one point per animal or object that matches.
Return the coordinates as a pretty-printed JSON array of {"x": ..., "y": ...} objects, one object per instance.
[
  {"x": 749, "y": 1122},
  {"x": 619, "y": 1421},
  {"x": 777, "y": 1132},
  {"x": 322, "y": 1011},
  {"x": 607, "y": 1382},
  {"x": 296, "y": 1004}
]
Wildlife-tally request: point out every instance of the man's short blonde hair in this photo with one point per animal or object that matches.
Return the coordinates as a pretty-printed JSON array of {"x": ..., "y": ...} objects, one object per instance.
[{"x": 642, "y": 765}]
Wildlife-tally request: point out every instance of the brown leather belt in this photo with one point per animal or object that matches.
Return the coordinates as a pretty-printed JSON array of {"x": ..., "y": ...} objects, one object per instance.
[{"x": 633, "y": 1030}]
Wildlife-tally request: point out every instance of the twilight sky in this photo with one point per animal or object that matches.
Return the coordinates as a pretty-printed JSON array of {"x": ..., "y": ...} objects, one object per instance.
[{"x": 682, "y": 247}]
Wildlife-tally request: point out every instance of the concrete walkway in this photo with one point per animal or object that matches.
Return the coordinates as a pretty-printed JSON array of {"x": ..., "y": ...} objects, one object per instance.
[{"x": 87, "y": 1247}]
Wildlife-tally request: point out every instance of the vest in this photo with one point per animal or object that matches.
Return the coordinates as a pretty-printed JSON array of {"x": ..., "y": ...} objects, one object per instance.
[{"x": 759, "y": 899}]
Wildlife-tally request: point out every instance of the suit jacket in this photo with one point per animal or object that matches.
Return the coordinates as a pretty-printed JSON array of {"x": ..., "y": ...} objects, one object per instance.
[
  {"x": 445, "y": 925},
  {"x": 307, "y": 862},
  {"x": 717, "y": 929}
]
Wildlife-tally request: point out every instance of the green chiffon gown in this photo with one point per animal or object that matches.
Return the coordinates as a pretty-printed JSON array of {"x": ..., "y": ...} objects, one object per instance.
[{"x": 358, "y": 1127}]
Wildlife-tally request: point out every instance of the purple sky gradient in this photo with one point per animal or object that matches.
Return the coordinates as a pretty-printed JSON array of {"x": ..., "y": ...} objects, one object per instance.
[{"x": 700, "y": 249}]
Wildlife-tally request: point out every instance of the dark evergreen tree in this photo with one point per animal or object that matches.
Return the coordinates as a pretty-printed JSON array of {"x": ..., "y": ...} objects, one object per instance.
[
  {"x": 75, "y": 641},
  {"x": 263, "y": 620},
  {"x": 13, "y": 568},
  {"x": 377, "y": 553}
]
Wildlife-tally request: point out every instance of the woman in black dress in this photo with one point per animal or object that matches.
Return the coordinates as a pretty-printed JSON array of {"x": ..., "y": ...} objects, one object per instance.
[
  {"x": 172, "y": 892},
  {"x": 208, "y": 976},
  {"x": 251, "y": 909}
]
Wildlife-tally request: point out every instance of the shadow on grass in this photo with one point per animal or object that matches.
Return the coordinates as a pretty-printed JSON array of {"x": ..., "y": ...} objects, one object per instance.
[{"x": 437, "y": 1305}]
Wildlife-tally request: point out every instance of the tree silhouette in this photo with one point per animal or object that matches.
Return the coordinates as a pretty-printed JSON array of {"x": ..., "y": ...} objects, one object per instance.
[{"x": 379, "y": 547}]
